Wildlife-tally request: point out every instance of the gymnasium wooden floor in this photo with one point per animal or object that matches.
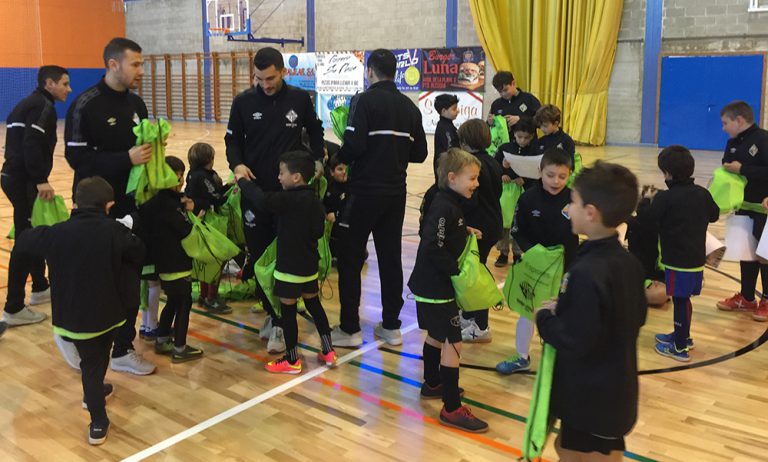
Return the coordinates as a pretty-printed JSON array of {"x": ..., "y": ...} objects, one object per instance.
[{"x": 226, "y": 407}]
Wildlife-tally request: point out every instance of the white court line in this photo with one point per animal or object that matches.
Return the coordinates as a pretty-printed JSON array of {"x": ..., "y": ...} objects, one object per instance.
[{"x": 179, "y": 437}]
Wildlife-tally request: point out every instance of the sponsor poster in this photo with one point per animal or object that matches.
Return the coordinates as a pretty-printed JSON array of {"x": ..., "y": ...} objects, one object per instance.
[
  {"x": 300, "y": 69},
  {"x": 327, "y": 103},
  {"x": 408, "y": 74},
  {"x": 453, "y": 69},
  {"x": 470, "y": 107},
  {"x": 340, "y": 73}
]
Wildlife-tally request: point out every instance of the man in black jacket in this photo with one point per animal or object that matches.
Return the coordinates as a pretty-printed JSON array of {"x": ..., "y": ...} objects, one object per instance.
[
  {"x": 383, "y": 135},
  {"x": 100, "y": 142},
  {"x": 266, "y": 121},
  {"x": 29, "y": 142}
]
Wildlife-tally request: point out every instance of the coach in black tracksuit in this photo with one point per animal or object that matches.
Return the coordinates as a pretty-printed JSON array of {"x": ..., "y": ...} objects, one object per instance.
[
  {"x": 29, "y": 144},
  {"x": 266, "y": 121},
  {"x": 383, "y": 135}
]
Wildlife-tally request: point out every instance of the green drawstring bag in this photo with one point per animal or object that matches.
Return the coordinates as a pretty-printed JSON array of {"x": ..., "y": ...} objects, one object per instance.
[
  {"x": 231, "y": 209},
  {"x": 209, "y": 250},
  {"x": 510, "y": 194},
  {"x": 727, "y": 189},
  {"x": 265, "y": 274},
  {"x": 339, "y": 117},
  {"x": 540, "y": 422},
  {"x": 578, "y": 164},
  {"x": 475, "y": 286},
  {"x": 324, "y": 248},
  {"x": 49, "y": 212},
  {"x": 320, "y": 185},
  {"x": 499, "y": 134},
  {"x": 217, "y": 221},
  {"x": 146, "y": 180},
  {"x": 535, "y": 279}
]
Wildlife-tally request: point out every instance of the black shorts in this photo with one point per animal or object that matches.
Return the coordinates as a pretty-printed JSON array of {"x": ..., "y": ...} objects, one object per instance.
[
  {"x": 295, "y": 289},
  {"x": 581, "y": 441},
  {"x": 440, "y": 320}
]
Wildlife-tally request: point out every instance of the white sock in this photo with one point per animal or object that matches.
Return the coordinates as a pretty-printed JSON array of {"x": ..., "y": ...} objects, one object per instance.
[
  {"x": 523, "y": 336},
  {"x": 149, "y": 316}
]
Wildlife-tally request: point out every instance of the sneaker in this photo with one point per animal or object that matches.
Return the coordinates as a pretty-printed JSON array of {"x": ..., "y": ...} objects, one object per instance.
[
  {"x": 38, "y": 298},
  {"x": 737, "y": 303},
  {"x": 465, "y": 323},
  {"x": 514, "y": 363},
  {"x": 473, "y": 334},
  {"x": 669, "y": 339},
  {"x": 108, "y": 388},
  {"x": 97, "y": 433},
  {"x": 343, "y": 339},
  {"x": 164, "y": 348},
  {"x": 133, "y": 363},
  {"x": 282, "y": 366},
  {"x": 276, "y": 343},
  {"x": 216, "y": 306},
  {"x": 463, "y": 419},
  {"x": 761, "y": 314},
  {"x": 502, "y": 261},
  {"x": 391, "y": 336},
  {"x": 428, "y": 392},
  {"x": 257, "y": 308},
  {"x": 147, "y": 334},
  {"x": 187, "y": 354},
  {"x": 329, "y": 359},
  {"x": 266, "y": 329},
  {"x": 665, "y": 349},
  {"x": 3, "y": 327},
  {"x": 23, "y": 317},
  {"x": 68, "y": 351}
]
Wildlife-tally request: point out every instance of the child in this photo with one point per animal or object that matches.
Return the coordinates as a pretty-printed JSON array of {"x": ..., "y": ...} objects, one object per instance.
[
  {"x": 446, "y": 135},
  {"x": 595, "y": 323},
  {"x": 88, "y": 306},
  {"x": 208, "y": 192},
  {"x": 542, "y": 218},
  {"x": 300, "y": 222},
  {"x": 683, "y": 213},
  {"x": 334, "y": 202},
  {"x": 164, "y": 218},
  {"x": 747, "y": 154},
  {"x": 548, "y": 120},
  {"x": 523, "y": 144},
  {"x": 513, "y": 102},
  {"x": 443, "y": 237},
  {"x": 482, "y": 212}
]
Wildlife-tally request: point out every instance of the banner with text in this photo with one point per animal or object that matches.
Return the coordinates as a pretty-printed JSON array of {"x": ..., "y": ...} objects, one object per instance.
[
  {"x": 340, "y": 73},
  {"x": 327, "y": 103},
  {"x": 408, "y": 74},
  {"x": 470, "y": 107},
  {"x": 300, "y": 69},
  {"x": 453, "y": 69}
]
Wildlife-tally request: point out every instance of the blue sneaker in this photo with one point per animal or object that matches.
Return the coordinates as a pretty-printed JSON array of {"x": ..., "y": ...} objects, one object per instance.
[
  {"x": 147, "y": 334},
  {"x": 665, "y": 349},
  {"x": 669, "y": 339},
  {"x": 514, "y": 363}
]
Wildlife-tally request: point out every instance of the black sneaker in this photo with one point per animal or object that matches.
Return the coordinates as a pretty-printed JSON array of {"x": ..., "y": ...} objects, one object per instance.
[
  {"x": 97, "y": 433},
  {"x": 107, "y": 393},
  {"x": 217, "y": 306},
  {"x": 428, "y": 392},
  {"x": 501, "y": 261},
  {"x": 463, "y": 419},
  {"x": 187, "y": 354}
]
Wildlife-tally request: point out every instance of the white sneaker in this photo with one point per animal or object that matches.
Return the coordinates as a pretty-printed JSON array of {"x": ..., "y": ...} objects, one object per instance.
[
  {"x": 23, "y": 317},
  {"x": 343, "y": 339},
  {"x": 132, "y": 363},
  {"x": 266, "y": 329},
  {"x": 391, "y": 336},
  {"x": 68, "y": 351},
  {"x": 474, "y": 334},
  {"x": 465, "y": 323},
  {"x": 38, "y": 298},
  {"x": 276, "y": 342}
]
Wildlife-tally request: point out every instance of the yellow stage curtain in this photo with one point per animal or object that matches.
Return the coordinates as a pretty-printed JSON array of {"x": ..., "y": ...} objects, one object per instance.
[{"x": 562, "y": 51}]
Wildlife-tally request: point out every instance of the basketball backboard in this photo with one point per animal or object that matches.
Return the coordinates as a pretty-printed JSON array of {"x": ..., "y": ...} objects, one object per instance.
[{"x": 227, "y": 17}]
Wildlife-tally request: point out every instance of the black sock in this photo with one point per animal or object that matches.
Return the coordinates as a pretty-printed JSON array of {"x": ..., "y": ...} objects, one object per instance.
[
  {"x": 325, "y": 343},
  {"x": 449, "y": 376},
  {"x": 764, "y": 279},
  {"x": 315, "y": 308},
  {"x": 682, "y": 317},
  {"x": 431, "y": 365},
  {"x": 481, "y": 319},
  {"x": 749, "y": 270},
  {"x": 289, "y": 325}
]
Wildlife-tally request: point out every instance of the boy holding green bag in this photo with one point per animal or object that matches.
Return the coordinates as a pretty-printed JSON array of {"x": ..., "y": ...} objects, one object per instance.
[
  {"x": 595, "y": 323},
  {"x": 443, "y": 236}
]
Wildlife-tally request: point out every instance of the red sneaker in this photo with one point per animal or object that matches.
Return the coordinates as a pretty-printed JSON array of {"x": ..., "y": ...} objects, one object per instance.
[
  {"x": 282, "y": 366},
  {"x": 737, "y": 303},
  {"x": 463, "y": 419},
  {"x": 329, "y": 359},
  {"x": 761, "y": 314}
]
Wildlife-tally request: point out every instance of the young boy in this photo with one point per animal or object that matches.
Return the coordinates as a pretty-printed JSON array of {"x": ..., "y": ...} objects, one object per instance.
[
  {"x": 523, "y": 143},
  {"x": 595, "y": 323},
  {"x": 443, "y": 237},
  {"x": 446, "y": 134},
  {"x": 300, "y": 223},
  {"x": 683, "y": 213},
  {"x": 513, "y": 102},
  {"x": 542, "y": 218},
  {"x": 334, "y": 202},
  {"x": 747, "y": 154},
  {"x": 88, "y": 306},
  {"x": 547, "y": 118},
  {"x": 165, "y": 223}
]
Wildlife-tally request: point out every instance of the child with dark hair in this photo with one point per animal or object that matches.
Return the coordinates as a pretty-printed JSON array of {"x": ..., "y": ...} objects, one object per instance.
[
  {"x": 446, "y": 135},
  {"x": 547, "y": 118},
  {"x": 513, "y": 103},
  {"x": 683, "y": 213},
  {"x": 334, "y": 202}
]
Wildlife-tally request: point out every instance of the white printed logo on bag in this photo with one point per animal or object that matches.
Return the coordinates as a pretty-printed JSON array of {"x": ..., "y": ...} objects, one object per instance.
[
  {"x": 523, "y": 107},
  {"x": 752, "y": 150},
  {"x": 291, "y": 116}
]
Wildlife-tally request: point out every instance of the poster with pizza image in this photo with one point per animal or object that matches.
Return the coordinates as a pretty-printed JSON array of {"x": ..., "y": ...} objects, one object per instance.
[{"x": 453, "y": 69}]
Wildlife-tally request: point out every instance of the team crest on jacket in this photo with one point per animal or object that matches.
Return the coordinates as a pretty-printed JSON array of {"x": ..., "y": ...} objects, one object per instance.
[
  {"x": 257, "y": 116},
  {"x": 112, "y": 121},
  {"x": 565, "y": 213},
  {"x": 136, "y": 119},
  {"x": 291, "y": 116},
  {"x": 752, "y": 150},
  {"x": 523, "y": 107}
]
